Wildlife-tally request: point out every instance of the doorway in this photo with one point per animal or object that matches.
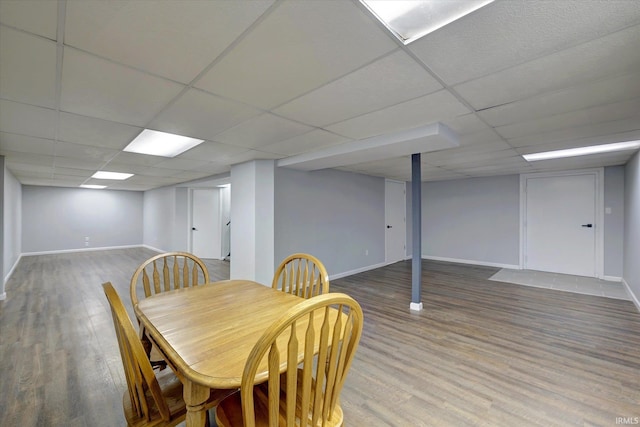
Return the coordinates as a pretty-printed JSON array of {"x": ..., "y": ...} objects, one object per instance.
[
  {"x": 210, "y": 227},
  {"x": 395, "y": 219},
  {"x": 561, "y": 222}
]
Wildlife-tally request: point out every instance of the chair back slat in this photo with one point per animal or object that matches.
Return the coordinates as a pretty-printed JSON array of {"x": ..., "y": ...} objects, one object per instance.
[
  {"x": 137, "y": 368},
  {"x": 168, "y": 271},
  {"x": 302, "y": 390},
  {"x": 302, "y": 275}
]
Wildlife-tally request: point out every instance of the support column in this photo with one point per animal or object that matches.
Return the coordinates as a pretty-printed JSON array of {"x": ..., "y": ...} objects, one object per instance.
[
  {"x": 416, "y": 216},
  {"x": 252, "y": 221}
]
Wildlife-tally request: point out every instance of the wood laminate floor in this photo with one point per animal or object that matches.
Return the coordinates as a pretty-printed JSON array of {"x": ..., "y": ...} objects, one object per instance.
[{"x": 480, "y": 353}]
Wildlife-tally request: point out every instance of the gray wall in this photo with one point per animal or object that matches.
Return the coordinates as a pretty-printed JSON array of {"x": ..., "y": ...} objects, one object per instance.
[
  {"x": 631, "y": 273},
  {"x": 474, "y": 220},
  {"x": 12, "y": 224},
  {"x": 614, "y": 221},
  {"x": 166, "y": 219},
  {"x": 334, "y": 215},
  {"x": 57, "y": 219},
  {"x": 478, "y": 220}
]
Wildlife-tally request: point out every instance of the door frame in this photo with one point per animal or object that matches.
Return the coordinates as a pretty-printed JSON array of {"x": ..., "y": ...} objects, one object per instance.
[
  {"x": 191, "y": 190},
  {"x": 404, "y": 210},
  {"x": 599, "y": 212}
]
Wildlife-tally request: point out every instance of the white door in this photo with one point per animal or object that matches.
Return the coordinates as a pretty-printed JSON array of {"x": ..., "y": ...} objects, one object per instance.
[
  {"x": 560, "y": 224},
  {"x": 205, "y": 223},
  {"x": 394, "y": 213}
]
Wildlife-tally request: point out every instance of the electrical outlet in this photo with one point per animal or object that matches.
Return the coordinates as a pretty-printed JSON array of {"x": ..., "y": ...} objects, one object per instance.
[{"x": 366, "y": 252}]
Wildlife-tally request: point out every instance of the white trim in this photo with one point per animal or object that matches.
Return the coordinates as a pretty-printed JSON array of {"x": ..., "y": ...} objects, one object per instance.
[
  {"x": 8, "y": 276},
  {"x": 3, "y": 296},
  {"x": 64, "y": 251},
  {"x": 415, "y": 306},
  {"x": 473, "y": 262},
  {"x": 357, "y": 270},
  {"x": 599, "y": 219},
  {"x": 634, "y": 298},
  {"x": 612, "y": 278},
  {"x": 153, "y": 249}
]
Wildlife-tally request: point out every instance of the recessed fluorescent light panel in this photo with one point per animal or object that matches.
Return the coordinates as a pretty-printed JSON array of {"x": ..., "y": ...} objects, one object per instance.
[
  {"x": 111, "y": 175},
  {"x": 582, "y": 151},
  {"x": 95, "y": 187},
  {"x": 412, "y": 19},
  {"x": 161, "y": 143}
]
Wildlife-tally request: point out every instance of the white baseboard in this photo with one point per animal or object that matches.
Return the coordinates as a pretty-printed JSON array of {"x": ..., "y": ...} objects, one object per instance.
[
  {"x": 633, "y": 296},
  {"x": 415, "y": 306},
  {"x": 472, "y": 262},
  {"x": 153, "y": 249},
  {"x": 612, "y": 278},
  {"x": 8, "y": 276},
  {"x": 356, "y": 271},
  {"x": 64, "y": 251}
]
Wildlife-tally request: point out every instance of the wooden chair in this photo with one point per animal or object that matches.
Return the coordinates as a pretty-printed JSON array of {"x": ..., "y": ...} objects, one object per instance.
[
  {"x": 302, "y": 275},
  {"x": 149, "y": 400},
  {"x": 167, "y": 271},
  {"x": 307, "y": 392},
  {"x": 161, "y": 273}
]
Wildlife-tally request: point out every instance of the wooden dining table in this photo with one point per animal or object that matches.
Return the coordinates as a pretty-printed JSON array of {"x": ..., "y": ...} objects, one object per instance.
[{"x": 207, "y": 332}]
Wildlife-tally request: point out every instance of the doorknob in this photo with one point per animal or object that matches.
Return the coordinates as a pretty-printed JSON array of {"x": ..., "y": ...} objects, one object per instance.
[
  {"x": 193, "y": 228},
  {"x": 587, "y": 225},
  {"x": 389, "y": 226}
]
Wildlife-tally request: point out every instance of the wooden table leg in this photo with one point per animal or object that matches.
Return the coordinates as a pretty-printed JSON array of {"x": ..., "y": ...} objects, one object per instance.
[{"x": 195, "y": 397}]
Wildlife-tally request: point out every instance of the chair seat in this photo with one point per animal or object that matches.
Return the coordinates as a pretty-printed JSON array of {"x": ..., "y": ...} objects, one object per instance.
[
  {"x": 229, "y": 411},
  {"x": 172, "y": 391}
]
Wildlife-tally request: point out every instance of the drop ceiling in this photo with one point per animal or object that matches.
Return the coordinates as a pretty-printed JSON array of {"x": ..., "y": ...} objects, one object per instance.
[{"x": 79, "y": 79}]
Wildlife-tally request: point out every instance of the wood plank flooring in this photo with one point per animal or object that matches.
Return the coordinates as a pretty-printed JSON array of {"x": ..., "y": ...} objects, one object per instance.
[{"x": 481, "y": 353}]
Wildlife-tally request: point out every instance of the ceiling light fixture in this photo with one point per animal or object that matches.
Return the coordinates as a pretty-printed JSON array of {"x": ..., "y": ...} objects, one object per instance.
[
  {"x": 582, "y": 151},
  {"x": 409, "y": 20},
  {"x": 94, "y": 187},
  {"x": 111, "y": 175},
  {"x": 162, "y": 144}
]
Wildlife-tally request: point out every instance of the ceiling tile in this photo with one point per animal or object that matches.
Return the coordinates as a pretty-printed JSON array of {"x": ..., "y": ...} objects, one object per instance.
[
  {"x": 261, "y": 131},
  {"x": 79, "y": 163},
  {"x": 73, "y": 172},
  {"x": 310, "y": 141},
  {"x": 35, "y": 16},
  {"x": 87, "y": 152},
  {"x": 136, "y": 159},
  {"x": 96, "y": 132},
  {"x": 600, "y": 113},
  {"x": 208, "y": 170},
  {"x": 597, "y": 131},
  {"x": 180, "y": 164},
  {"x": 250, "y": 155},
  {"x": 98, "y": 88},
  {"x": 462, "y": 153},
  {"x": 606, "y": 91},
  {"x": 27, "y": 120},
  {"x": 506, "y": 33},
  {"x": 25, "y": 144},
  {"x": 212, "y": 151},
  {"x": 298, "y": 47},
  {"x": 201, "y": 115},
  {"x": 464, "y": 124},
  {"x": 40, "y": 160},
  {"x": 386, "y": 82},
  {"x": 616, "y": 54},
  {"x": 176, "y": 40},
  {"x": 28, "y": 68},
  {"x": 438, "y": 106}
]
